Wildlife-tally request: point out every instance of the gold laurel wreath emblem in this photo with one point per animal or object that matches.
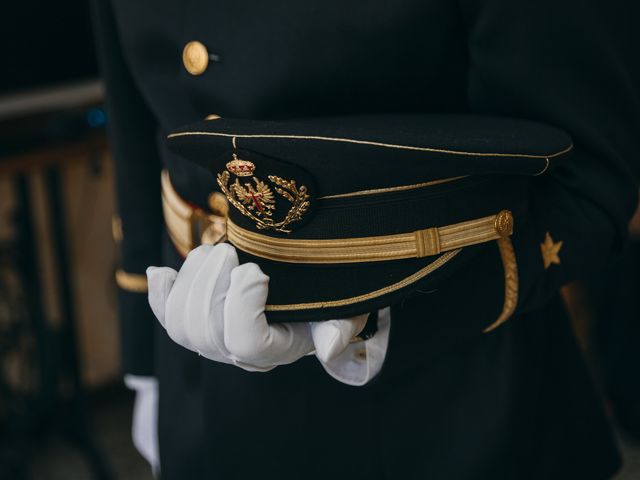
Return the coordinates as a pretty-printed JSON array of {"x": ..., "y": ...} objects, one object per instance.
[{"x": 257, "y": 201}]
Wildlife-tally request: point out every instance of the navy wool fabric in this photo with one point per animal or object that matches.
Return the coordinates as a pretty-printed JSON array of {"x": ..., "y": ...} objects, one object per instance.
[{"x": 450, "y": 402}]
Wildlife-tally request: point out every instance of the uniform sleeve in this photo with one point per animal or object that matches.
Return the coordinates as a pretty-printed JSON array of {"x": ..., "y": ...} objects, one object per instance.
[
  {"x": 132, "y": 135},
  {"x": 561, "y": 63}
]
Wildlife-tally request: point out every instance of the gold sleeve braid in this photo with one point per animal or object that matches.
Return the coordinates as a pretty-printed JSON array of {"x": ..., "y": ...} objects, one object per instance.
[
  {"x": 116, "y": 229},
  {"x": 131, "y": 282}
]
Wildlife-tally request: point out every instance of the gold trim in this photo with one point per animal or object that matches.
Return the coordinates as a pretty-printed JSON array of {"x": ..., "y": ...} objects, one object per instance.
[
  {"x": 241, "y": 168},
  {"x": 432, "y": 267},
  {"x": 178, "y": 226},
  {"x": 546, "y": 167},
  {"x": 376, "y": 191},
  {"x": 131, "y": 282},
  {"x": 189, "y": 227},
  {"x": 218, "y": 204},
  {"x": 511, "y": 287},
  {"x": 116, "y": 228},
  {"x": 418, "y": 244},
  {"x": 181, "y": 247},
  {"x": 372, "y": 143},
  {"x": 172, "y": 199},
  {"x": 401, "y": 188},
  {"x": 550, "y": 250}
]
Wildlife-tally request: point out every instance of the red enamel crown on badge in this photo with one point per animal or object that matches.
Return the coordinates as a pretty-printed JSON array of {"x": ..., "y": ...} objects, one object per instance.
[{"x": 241, "y": 168}]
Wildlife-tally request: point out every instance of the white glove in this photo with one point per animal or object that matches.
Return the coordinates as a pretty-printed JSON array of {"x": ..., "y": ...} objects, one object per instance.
[
  {"x": 144, "y": 428},
  {"x": 360, "y": 361},
  {"x": 215, "y": 307}
]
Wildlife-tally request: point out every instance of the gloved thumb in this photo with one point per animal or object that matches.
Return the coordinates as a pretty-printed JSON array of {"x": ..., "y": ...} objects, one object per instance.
[
  {"x": 160, "y": 281},
  {"x": 332, "y": 337}
]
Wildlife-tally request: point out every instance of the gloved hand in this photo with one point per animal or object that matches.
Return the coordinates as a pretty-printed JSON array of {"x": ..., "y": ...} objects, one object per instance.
[
  {"x": 144, "y": 428},
  {"x": 215, "y": 307},
  {"x": 361, "y": 361}
]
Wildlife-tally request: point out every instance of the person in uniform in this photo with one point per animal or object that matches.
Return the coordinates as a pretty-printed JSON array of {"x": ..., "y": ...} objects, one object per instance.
[{"x": 483, "y": 142}]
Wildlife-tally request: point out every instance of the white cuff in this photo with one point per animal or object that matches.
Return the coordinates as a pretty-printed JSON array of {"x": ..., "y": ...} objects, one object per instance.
[
  {"x": 144, "y": 428},
  {"x": 139, "y": 382},
  {"x": 362, "y": 361}
]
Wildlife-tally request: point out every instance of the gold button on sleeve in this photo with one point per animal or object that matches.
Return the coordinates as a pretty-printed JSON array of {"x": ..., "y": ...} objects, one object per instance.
[{"x": 195, "y": 58}]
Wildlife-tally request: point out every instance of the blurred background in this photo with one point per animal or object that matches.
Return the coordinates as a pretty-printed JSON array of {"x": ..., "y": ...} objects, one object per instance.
[{"x": 64, "y": 412}]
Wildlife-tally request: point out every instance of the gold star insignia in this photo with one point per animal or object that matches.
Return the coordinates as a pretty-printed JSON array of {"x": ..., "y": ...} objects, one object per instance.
[{"x": 550, "y": 250}]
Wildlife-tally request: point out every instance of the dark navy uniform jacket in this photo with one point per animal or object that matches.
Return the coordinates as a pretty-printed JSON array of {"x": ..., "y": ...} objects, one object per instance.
[{"x": 450, "y": 402}]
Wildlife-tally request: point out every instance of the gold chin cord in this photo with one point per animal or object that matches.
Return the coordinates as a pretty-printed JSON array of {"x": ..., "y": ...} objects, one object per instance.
[{"x": 510, "y": 266}]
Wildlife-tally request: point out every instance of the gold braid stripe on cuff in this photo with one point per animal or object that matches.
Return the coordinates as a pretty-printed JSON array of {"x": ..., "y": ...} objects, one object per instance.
[
  {"x": 418, "y": 244},
  {"x": 131, "y": 282},
  {"x": 189, "y": 227}
]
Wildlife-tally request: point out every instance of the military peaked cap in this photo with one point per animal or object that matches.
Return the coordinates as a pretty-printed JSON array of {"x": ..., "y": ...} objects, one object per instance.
[{"x": 350, "y": 214}]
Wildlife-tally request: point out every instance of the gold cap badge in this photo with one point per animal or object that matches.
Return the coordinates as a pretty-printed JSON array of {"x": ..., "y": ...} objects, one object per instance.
[{"x": 256, "y": 200}]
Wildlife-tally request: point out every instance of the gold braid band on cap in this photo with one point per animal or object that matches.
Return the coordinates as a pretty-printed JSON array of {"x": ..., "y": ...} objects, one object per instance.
[
  {"x": 510, "y": 286},
  {"x": 418, "y": 244}
]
